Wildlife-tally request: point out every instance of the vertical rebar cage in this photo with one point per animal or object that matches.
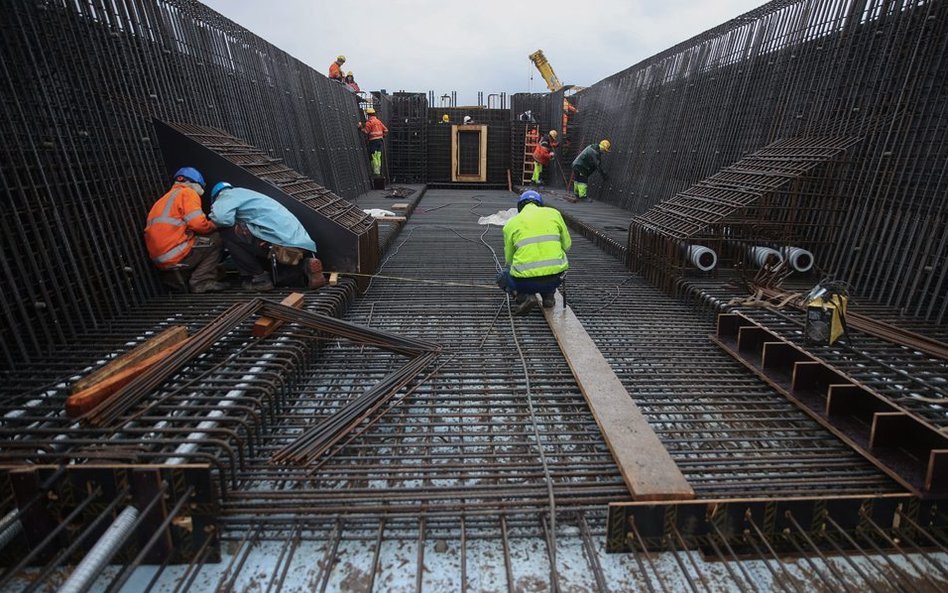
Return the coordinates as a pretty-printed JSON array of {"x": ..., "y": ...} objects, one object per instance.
[
  {"x": 81, "y": 165},
  {"x": 871, "y": 69}
]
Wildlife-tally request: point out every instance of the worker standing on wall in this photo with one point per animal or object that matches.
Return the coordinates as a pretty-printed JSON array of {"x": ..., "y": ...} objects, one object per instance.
[
  {"x": 335, "y": 69},
  {"x": 181, "y": 241},
  {"x": 264, "y": 238},
  {"x": 586, "y": 163},
  {"x": 535, "y": 246},
  {"x": 376, "y": 131},
  {"x": 543, "y": 155}
]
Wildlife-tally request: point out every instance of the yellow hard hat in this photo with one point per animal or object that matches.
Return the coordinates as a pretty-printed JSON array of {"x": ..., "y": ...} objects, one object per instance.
[
  {"x": 605, "y": 146},
  {"x": 349, "y": 73},
  {"x": 553, "y": 134},
  {"x": 370, "y": 111},
  {"x": 340, "y": 59},
  {"x": 445, "y": 117}
]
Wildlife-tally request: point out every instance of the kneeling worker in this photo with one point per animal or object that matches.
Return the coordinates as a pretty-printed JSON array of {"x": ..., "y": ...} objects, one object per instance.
[
  {"x": 180, "y": 238},
  {"x": 535, "y": 246},
  {"x": 260, "y": 232}
]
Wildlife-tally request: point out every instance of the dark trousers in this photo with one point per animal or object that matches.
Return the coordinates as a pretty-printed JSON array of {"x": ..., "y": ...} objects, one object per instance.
[
  {"x": 198, "y": 267},
  {"x": 252, "y": 257},
  {"x": 545, "y": 285}
]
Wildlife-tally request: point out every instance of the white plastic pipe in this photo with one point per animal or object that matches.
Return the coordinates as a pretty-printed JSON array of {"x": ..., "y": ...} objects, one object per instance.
[
  {"x": 762, "y": 256},
  {"x": 701, "y": 257},
  {"x": 800, "y": 259}
]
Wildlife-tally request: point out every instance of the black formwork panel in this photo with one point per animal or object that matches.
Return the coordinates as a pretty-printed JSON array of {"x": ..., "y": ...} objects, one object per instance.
[
  {"x": 407, "y": 137},
  {"x": 479, "y": 115},
  {"x": 498, "y": 153},
  {"x": 538, "y": 104}
]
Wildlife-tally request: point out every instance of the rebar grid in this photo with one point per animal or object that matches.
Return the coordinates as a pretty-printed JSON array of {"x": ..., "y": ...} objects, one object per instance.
[
  {"x": 797, "y": 69},
  {"x": 81, "y": 165},
  {"x": 449, "y": 477}
]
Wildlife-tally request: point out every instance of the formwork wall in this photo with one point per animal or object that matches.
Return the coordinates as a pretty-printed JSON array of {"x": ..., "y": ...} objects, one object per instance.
[
  {"x": 81, "y": 165},
  {"x": 874, "y": 69}
]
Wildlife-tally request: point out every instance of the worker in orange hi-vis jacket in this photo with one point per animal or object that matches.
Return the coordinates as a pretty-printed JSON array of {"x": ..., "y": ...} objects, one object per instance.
[
  {"x": 180, "y": 238},
  {"x": 543, "y": 155},
  {"x": 335, "y": 69},
  {"x": 376, "y": 131},
  {"x": 567, "y": 109}
]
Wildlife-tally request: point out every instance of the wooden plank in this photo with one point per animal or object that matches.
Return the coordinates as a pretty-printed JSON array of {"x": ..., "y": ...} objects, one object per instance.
[
  {"x": 157, "y": 343},
  {"x": 265, "y": 326},
  {"x": 646, "y": 466},
  {"x": 90, "y": 398},
  {"x": 400, "y": 206},
  {"x": 391, "y": 219}
]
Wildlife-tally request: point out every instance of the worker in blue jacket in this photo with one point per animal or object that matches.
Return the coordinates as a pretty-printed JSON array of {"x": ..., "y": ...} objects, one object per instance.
[
  {"x": 587, "y": 163},
  {"x": 264, "y": 239}
]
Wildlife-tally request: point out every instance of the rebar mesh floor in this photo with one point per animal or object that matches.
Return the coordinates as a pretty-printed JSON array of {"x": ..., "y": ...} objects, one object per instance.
[{"x": 488, "y": 472}]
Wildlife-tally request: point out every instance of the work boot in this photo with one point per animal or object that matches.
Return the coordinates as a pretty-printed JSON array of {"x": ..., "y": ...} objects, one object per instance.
[
  {"x": 525, "y": 304},
  {"x": 211, "y": 286},
  {"x": 548, "y": 301},
  {"x": 259, "y": 283},
  {"x": 313, "y": 268}
]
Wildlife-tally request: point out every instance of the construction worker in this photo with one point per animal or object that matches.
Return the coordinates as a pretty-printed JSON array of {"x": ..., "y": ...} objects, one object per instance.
[
  {"x": 567, "y": 109},
  {"x": 351, "y": 84},
  {"x": 263, "y": 237},
  {"x": 467, "y": 120},
  {"x": 543, "y": 155},
  {"x": 376, "y": 131},
  {"x": 181, "y": 241},
  {"x": 535, "y": 246},
  {"x": 335, "y": 69},
  {"x": 445, "y": 119},
  {"x": 587, "y": 163}
]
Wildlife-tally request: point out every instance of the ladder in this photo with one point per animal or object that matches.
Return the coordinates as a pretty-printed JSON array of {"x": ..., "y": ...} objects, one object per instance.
[{"x": 531, "y": 137}]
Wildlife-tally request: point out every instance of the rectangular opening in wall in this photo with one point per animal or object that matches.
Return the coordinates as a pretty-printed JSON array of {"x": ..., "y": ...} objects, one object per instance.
[{"x": 469, "y": 153}]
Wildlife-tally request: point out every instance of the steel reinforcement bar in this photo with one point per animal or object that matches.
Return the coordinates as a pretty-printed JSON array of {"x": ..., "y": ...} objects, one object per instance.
[
  {"x": 80, "y": 168},
  {"x": 872, "y": 69}
]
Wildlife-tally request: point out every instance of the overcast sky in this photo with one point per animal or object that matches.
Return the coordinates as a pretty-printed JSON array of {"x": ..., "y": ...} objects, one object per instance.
[{"x": 421, "y": 45}]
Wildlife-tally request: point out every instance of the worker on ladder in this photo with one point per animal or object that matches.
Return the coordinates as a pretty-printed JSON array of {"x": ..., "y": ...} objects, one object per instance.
[
  {"x": 535, "y": 246},
  {"x": 585, "y": 164},
  {"x": 335, "y": 69},
  {"x": 376, "y": 131},
  {"x": 567, "y": 109},
  {"x": 543, "y": 155}
]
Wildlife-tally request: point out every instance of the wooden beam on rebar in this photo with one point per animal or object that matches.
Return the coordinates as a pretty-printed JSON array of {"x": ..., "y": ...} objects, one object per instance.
[{"x": 646, "y": 466}]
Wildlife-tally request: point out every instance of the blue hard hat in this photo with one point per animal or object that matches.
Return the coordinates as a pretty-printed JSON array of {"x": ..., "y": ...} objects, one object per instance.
[
  {"x": 529, "y": 196},
  {"x": 219, "y": 187},
  {"x": 191, "y": 174}
]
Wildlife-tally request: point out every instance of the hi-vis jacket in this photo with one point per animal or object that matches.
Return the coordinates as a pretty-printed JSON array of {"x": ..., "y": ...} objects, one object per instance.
[
  {"x": 374, "y": 128},
  {"x": 172, "y": 224},
  {"x": 536, "y": 242},
  {"x": 543, "y": 153}
]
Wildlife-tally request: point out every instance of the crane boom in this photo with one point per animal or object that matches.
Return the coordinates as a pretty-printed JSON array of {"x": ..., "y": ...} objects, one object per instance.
[{"x": 546, "y": 71}]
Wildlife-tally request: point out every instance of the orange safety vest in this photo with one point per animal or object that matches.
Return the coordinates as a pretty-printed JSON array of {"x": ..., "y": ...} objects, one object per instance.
[
  {"x": 335, "y": 71},
  {"x": 172, "y": 223},
  {"x": 374, "y": 128}
]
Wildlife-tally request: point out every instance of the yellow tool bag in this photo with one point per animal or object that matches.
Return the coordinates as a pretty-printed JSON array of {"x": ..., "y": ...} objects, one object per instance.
[{"x": 825, "y": 319}]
